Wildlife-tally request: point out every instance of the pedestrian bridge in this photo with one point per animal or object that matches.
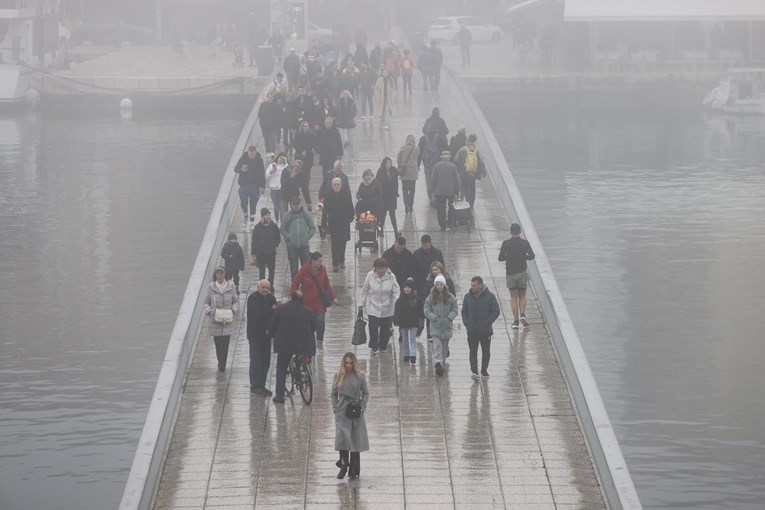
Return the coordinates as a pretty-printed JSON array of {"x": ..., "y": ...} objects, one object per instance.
[{"x": 534, "y": 435}]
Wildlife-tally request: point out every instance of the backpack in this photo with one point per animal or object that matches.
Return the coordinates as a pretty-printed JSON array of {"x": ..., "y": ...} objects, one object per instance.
[
  {"x": 407, "y": 65},
  {"x": 431, "y": 149},
  {"x": 471, "y": 161}
]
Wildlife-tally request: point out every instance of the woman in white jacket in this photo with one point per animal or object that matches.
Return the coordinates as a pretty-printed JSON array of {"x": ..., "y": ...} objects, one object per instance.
[
  {"x": 274, "y": 182},
  {"x": 379, "y": 295}
]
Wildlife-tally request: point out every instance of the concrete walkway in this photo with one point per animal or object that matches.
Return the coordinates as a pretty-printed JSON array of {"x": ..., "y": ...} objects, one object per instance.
[{"x": 511, "y": 441}]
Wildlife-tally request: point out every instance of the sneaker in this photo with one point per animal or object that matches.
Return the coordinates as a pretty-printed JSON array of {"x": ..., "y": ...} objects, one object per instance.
[
  {"x": 439, "y": 369},
  {"x": 524, "y": 321},
  {"x": 384, "y": 350},
  {"x": 363, "y": 117},
  {"x": 484, "y": 373},
  {"x": 515, "y": 325},
  {"x": 475, "y": 377},
  {"x": 278, "y": 400},
  {"x": 268, "y": 392},
  {"x": 374, "y": 352},
  {"x": 244, "y": 223},
  {"x": 412, "y": 361}
]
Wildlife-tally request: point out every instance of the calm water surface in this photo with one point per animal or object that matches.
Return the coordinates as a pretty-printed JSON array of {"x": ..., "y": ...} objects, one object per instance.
[
  {"x": 654, "y": 225},
  {"x": 100, "y": 222}
]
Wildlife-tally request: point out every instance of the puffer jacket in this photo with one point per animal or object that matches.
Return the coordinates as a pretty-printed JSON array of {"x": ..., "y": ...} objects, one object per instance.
[
  {"x": 217, "y": 298},
  {"x": 298, "y": 228},
  {"x": 479, "y": 312},
  {"x": 379, "y": 295},
  {"x": 441, "y": 316}
]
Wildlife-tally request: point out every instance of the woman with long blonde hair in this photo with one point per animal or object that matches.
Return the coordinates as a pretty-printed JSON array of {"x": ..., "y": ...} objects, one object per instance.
[{"x": 350, "y": 385}]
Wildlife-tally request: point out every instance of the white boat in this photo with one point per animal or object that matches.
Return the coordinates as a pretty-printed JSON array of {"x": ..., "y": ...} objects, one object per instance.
[
  {"x": 743, "y": 92},
  {"x": 31, "y": 39}
]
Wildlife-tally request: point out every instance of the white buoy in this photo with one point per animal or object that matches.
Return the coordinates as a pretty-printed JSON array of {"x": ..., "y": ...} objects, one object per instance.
[
  {"x": 32, "y": 97},
  {"x": 126, "y": 104}
]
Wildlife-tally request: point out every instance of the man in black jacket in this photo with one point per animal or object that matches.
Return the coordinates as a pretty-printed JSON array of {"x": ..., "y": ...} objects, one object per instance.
[
  {"x": 265, "y": 239},
  {"x": 293, "y": 328},
  {"x": 292, "y": 69},
  {"x": 423, "y": 257},
  {"x": 479, "y": 311},
  {"x": 294, "y": 181},
  {"x": 261, "y": 306},
  {"x": 400, "y": 261},
  {"x": 252, "y": 182},
  {"x": 269, "y": 117},
  {"x": 329, "y": 145},
  {"x": 515, "y": 252}
]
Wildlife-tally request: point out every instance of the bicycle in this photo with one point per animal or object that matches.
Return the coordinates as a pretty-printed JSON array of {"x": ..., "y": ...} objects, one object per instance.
[{"x": 299, "y": 370}]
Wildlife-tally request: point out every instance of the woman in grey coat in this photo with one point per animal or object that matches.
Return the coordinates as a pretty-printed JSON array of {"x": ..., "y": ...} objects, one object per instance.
[
  {"x": 350, "y": 385},
  {"x": 408, "y": 170},
  {"x": 221, "y": 294},
  {"x": 440, "y": 309}
]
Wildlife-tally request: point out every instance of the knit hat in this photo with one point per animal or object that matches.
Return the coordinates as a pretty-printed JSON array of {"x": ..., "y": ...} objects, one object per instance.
[
  {"x": 440, "y": 279},
  {"x": 446, "y": 154},
  {"x": 409, "y": 283},
  {"x": 231, "y": 236},
  {"x": 265, "y": 212}
]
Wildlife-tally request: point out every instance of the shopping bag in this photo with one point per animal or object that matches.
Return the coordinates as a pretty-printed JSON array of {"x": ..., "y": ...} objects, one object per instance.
[{"x": 359, "y": 330}]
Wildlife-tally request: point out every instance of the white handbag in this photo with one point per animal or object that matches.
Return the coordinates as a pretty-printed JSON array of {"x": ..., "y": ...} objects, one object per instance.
[{"x": 222, "y": 315}]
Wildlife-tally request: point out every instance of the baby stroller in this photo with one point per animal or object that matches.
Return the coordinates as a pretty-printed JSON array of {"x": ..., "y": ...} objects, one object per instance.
[{"x": 369, "y": 228}]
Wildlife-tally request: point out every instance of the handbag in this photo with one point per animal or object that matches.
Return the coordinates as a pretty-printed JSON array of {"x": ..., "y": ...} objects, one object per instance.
[
  {"x": 326, "y": 299},
  {"x": 353, "y": 409},
  {"x": 222, "y": 315},
  {"x": 359, "y": 330}
]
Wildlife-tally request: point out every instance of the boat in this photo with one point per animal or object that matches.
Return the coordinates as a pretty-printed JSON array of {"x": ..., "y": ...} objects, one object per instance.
[
  {"x": 742, "y": 93},
  {"x": 31, "y": 40}
]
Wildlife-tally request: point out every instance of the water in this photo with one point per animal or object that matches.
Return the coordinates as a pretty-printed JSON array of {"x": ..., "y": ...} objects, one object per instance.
[
  {"x": 100, "y": 222},
  {"x": 653, "y": 224}
]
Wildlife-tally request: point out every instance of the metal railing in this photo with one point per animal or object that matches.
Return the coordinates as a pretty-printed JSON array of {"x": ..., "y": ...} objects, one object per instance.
[
  {"x": 146, "y": 469},
  {"x": 607, "y": 457}
]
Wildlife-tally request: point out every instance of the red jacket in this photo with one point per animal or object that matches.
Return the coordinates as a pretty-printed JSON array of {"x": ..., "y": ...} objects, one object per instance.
[{"x": 311, "y": 296}]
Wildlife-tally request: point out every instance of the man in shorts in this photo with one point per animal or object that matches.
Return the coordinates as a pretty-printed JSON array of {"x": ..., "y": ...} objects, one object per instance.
[{"x": 515, "y": 252}]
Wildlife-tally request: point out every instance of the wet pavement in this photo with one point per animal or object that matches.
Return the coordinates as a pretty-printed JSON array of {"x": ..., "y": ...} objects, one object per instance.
[{"x": 510, "y": 441}]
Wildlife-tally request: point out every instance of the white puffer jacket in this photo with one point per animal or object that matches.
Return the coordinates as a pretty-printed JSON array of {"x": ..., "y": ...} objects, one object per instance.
[{"x": 379, "y": 294}]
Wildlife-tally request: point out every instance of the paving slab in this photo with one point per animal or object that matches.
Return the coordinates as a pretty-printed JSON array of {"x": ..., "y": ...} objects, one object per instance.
[{"x": 509, "y": 441}]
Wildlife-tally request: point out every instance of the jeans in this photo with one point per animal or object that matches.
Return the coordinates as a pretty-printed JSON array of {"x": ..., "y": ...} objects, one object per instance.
[
  {"x": 443, "y": 204},
  {"x": 435, "y": 78},
  {"x": 267, "y": 261},
  {"x": 408, "y": 188},
  {"x": 385, "y": 113},
  {"x": 474, "y": 340},
  {"x": 282, "y": 362},
  {"x": 249, "y": 195},
  {"x": 269, "y": 136},
  {"x": 260, "y": 360},
  {"x": 366, "y": 97},
  {"x": 345, "y": 135},
  {"x": 221, "y": 349},
  {"x": 468, "y": 189},
  {"x": 426, "y": 77},
  {"x": 407, "y": 83},
  {"x": 428, "y": 173},
  {"x": 321, "y": 325},
  {"x": 338, "y": 251},
  {"x": 379, "y": 332},
  {"x": 298, "y": 257},
  {"x": 440, "y": 349},
  {"x": 392, "y": 212},
  {"x": 276, "y": 198},
  {"x": 410, "y": 341}
]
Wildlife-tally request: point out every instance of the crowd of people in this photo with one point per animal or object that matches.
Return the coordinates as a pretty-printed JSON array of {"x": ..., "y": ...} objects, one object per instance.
[{"x": 411, "y": 291}]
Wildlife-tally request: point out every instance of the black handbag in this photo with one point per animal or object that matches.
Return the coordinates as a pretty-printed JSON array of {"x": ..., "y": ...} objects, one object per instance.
[
  {"x": 359, "y": 330},
  {"x": 353, "y": 409}
]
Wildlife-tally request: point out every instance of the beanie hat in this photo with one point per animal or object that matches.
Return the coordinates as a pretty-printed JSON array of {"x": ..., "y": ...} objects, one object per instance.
[
  {"x": 265, "y": 212},
  {"x": 440, "y": 279},
  {"x": 231, "y": 236},
  {"x": 409, "y": 283},
  {"x": 446, "y": 154}
]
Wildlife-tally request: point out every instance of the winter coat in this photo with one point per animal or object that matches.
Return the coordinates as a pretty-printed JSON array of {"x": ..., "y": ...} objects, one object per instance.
[
  {"x": 428, "y": 284},
  {"x": 265, "y": 239},
  {"x": 379, "y": 295},
  {"x": 233, "y": 257},
  {"x": 402, "y": 264},
  {"x": 303, "y": 143},
  {"x": 297, "y": 228},
  {"x": 436, "y": 57},
  {"x": 256, "y": 172},
  {"x": 337, "y": 215},
  {"x": 380, "y": 95},
  {"x": 375, "y": 58},
  {"x": 292, "y": 184},
  {"x": 444, "y": 181},
  {"x": 422, "y": 261},
  {"x": 304, "y": 280},
  {"x": 346, "y": 114},
  {"x": 269, "y": 116},
  {"x": 329, "y": 145},
  {"x": 367, "y": 80},
  {"x": 425, "y": 63},
  {"x": 350, "y": 433},
  {"x": 349, "y": 81},
  {"x": 479, "y": 312},
  {"x": 260, "y": 310},
  {"x": 407, "y": 161},
  {"x": 370, "y": 198},
  {"x": 293, "y": 327},
  {"x": 389, "y": 181},
  {"x": 321, "y": 112},
  {"x": 408, "y": 313},
  {"x": 302, "y": 108},
  {"x": 326, "y": 184},
  {"x": 441, "y": 315},
  {"x": 460, "y": 162},
  {"x": 292, "y": 68},
  {"x": 217, "y": 299},
  {"x": 457, "y": 142},
  {"x": 431, "y": 146},
  {"x": 435, "y": 125}
]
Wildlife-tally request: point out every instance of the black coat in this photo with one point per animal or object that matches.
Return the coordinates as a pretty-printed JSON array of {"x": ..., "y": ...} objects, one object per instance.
[
  {"x": 389, "y": 181},
  {"x": 321, "y": 112},
  {"x": 375, "y": 58},
  {"x": 457, "y": 142},
  {"x": 370, "y": 198},
  {"x": 407, "y": 313},
  {"x": 302, "y": 108},
  {"x": 400, "y": 264},
  {"x": 303, "y": 143},
  {"x": 265, "y": 239},
  {"x": 293, "y": 184},
  {"x": 346, "y": 114},
  {"x": 292, "y": 68},
  {"x": 269, "y": 116},
  {"x": 260, "y": 309},
  {"x": 329, "y": 145},
  {"x": 233, "y": 257},
  {"x": 422, "y": 261},
  {"x": 256, "y": 171},
  {"x": 293, "y": 328},
  {"x": 326, "y": 184},
  {"x": 435, "y": 125},
  {"x": 338, "y": 215}
]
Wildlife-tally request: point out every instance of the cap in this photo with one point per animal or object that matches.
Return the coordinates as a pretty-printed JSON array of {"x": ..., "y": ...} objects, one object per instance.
[
  {"x": 265, "y": 212},
  {"x": 440, "y": 279},
  {"x": 446, "y": 154},
  {"x": 231, "y": 236}
]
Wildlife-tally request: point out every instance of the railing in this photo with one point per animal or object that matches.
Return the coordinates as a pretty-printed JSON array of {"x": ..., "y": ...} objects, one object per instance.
[
  {"x": 145, "y": 472},
  {"x": 607, "y": 457}
]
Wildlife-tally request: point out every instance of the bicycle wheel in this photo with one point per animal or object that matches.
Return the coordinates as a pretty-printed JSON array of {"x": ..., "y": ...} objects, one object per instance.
[
  {"x": 306, "y": 384},
  {"x": 293, "y": 372}
]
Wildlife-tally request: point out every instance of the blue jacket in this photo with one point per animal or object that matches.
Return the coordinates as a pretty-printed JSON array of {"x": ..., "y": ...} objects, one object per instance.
[{"x": 479, "y": 312}]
